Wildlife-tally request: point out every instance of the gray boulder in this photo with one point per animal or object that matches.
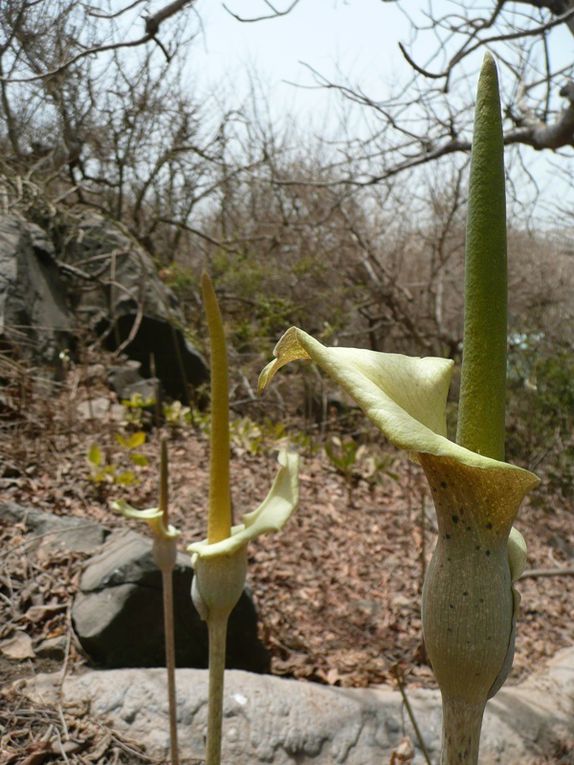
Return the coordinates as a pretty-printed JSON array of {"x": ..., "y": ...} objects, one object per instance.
[
  {"x": 118, "y": 616},
  {"x": 122, "y": 376},
  {"x": 284, "y": 722},
  {"x": 126, "y": 380},
  {"x": 55, "y": 531}
]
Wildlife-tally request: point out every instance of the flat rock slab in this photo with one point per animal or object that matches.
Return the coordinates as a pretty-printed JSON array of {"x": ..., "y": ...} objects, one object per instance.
[{"x": 279, "y": 721}]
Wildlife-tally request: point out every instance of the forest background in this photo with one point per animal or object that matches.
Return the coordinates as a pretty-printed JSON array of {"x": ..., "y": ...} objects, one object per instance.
[{"x": 343, "y": 215}]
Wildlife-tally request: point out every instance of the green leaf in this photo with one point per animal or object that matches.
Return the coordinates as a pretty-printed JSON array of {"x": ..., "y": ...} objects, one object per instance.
[
  {"x": 121, "y": 440},
  {"x": 139, "y": 459},
  {"x": 95, "y": 455},
  {"x": 136, "y": 439},
  {"x": 125, "y": 478},
  {"x": 132, "y": 441}
]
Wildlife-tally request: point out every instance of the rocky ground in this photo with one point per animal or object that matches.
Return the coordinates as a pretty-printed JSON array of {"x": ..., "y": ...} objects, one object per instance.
[{"x": 338, "y": 591}]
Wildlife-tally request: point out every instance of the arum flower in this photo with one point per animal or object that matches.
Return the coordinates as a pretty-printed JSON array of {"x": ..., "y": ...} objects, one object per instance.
[
  {"x": 220, "y": 561},
  {"x": 469, "y": 603},
  {"x": 164, "y": 554}
]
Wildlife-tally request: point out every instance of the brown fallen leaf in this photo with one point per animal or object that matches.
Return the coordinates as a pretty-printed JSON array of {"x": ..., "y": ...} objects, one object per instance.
[
  {"x": 37, "y": 614},
  {"x": 403, "y": 753},
  {"x": 37, "y": 753},
  {"x": 18, "y": 647}
]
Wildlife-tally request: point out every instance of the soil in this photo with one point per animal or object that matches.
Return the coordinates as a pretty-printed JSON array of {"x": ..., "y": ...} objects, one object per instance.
[{"x": 337, "y": 591}]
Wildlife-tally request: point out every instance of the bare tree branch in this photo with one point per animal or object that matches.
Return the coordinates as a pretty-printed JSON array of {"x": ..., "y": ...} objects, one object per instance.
[
  {"x": 152, "y": 25},
  {"x": 543, "y": 136},
  {"x": 275, "y": 13},
  {"x": 466, "y": 50},
  {"x": 117, "y": 14}
]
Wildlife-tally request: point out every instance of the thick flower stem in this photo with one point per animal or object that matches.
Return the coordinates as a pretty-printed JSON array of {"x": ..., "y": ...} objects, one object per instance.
[
  {"x": 217, "y": 626},
  {"x": 460, "y": 732},
  {"x": 167, "y": 580}
]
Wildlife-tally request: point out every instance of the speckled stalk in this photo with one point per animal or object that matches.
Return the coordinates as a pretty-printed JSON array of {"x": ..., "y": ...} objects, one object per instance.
[
  {"x": 467, "y": 598},
  {"x": 167, "y": 579},
  {"x": 461, "y": 732}
]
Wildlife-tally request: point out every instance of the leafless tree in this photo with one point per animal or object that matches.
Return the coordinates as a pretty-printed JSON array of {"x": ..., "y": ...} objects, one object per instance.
[
  {"x": 430, "y": 116},
  {"x": 126, "y": 133}
]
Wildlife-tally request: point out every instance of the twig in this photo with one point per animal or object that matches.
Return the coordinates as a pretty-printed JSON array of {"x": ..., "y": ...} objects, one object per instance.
[
  {"x": 418, "y": 734},
  {"x": 152, "y": 25},
  {"x": 464, "y": 52},
  {"x": 63, "y": 674},
  {"x": 536, "y": 572},
  {"x": 275, "y": 13},
  {"x": 83, "y": 54},
  {"x": 115, "y": 15}
]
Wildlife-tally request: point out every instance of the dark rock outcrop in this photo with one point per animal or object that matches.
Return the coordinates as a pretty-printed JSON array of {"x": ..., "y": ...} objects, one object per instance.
[
  {"x": 129, "y": 306},
  {"x": 98, "y": 279},
  {"x": 118, "y": 614},
  {"x": 34, "y": 315}
]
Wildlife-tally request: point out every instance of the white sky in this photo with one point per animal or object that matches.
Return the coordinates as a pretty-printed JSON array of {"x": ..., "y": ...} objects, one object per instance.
[{"x": 356, "y": 40}]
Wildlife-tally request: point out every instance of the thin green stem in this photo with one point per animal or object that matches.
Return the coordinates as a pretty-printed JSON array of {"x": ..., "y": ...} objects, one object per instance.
[
  {"x": 483, "y": 375},
  {"x": 217, "y": 640},
  {"x": 165, "y": 554},
  {"x": 167, "y": 580},
  {"x": 461, "y": 726}
]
